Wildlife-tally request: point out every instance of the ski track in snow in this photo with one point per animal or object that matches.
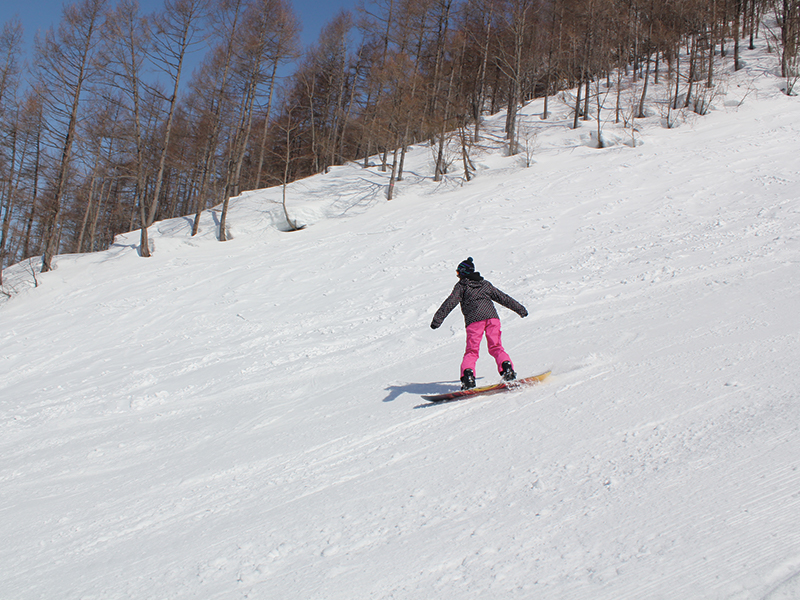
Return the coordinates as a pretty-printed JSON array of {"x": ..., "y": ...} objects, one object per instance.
[{"x": 244, "y": 421}]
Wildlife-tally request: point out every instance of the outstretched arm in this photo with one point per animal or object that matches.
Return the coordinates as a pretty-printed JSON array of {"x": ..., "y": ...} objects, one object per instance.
[
  {"x": 508, "y": 302},
  {"x": 447, "y": 306}
]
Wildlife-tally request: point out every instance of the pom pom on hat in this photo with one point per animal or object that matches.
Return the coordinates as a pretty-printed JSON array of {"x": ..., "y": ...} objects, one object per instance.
[{"x": 466, "y": 267}]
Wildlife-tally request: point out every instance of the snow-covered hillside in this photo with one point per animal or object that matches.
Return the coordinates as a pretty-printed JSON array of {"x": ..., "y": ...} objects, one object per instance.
[{"x": 243, "y": 420}]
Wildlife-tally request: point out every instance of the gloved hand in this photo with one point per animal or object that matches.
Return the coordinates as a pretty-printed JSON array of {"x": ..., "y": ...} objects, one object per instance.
[{"x": 434, "y": 325}]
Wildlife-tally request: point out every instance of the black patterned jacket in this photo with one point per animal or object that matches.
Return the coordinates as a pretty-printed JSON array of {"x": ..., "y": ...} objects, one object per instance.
[{"x": 475, "y": 296}]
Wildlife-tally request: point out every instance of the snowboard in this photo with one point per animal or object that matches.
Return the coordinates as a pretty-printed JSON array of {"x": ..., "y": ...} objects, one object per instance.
[{"x": 505, "y": 386}]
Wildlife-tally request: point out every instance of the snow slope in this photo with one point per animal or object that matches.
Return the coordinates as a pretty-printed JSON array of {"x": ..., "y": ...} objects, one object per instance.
[{"x": 242, "y": 420}]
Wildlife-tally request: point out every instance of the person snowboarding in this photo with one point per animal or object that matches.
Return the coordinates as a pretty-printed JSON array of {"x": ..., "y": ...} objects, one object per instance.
[{"x": 477, "y": 296}]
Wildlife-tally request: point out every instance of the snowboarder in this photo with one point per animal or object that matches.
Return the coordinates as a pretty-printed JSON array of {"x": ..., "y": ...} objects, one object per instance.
[{"x": 475, "y": 294}]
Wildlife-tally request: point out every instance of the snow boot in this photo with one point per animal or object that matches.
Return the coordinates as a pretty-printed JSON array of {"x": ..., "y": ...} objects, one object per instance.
[
  {"x": 468, "y": 380},
  {"x": 508, "y": 372}
]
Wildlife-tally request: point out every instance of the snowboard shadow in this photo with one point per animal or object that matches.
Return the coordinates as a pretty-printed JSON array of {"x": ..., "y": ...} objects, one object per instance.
[{"x": 417, "y": 389}]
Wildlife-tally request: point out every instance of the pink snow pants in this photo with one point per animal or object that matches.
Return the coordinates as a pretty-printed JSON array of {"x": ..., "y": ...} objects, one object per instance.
[{"x": 475, "y": 331}]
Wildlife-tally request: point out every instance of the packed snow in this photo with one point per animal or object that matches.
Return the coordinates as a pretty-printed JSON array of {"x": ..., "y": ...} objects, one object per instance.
[{"x": 243, "y": 419}]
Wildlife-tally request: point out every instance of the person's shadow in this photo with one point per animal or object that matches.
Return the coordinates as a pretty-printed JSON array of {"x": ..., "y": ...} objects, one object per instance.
[{"x": 417, "y": 389}]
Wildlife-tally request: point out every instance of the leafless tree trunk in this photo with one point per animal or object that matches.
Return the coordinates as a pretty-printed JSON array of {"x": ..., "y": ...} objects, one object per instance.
[
  {"x": 32, "y": 122},
  {"x": 228, "y": 21},
  {"x": 129, "y": 37},
  {"x": 10, "y": 48},
  {"x": 255, "y": 47},
  {"x": 482, "y": 75},
  {"x": 7, "y": 202},
  {"x": 640, "y": 114},
  {"x": 518, "y": 20},
  {"x": 712, "y": 41},
  {"x": 737, "y": 15},
  {"x": 65, "y": 62},
  {"x": 692, "y": 69},
  {"x": 287, "y": 161},
  {"x": 283, "y": 48},
  {"x": 176, "y": 28}
]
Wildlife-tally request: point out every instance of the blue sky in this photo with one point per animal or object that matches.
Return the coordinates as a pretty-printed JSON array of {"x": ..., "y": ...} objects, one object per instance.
[{"x": 41, "y": 14}]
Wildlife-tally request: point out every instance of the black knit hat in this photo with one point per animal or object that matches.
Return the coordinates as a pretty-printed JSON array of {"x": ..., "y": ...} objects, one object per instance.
[{"x": 466, "y": 268}]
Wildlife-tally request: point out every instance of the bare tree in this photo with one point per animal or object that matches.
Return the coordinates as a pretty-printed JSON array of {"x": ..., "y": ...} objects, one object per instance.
[
  {"x": 283, "y": 48},
  {"x": 263, "y": 25},
  {"x": 176, "y": 28},
  {"x": 30, "y": 129},
  {"x": 129, "y": 42},
  {"x": 66, "y": 60},
  {"x": 212, "y": 87},
  {"x": 519, "y": 18},
  {"x": 788, "y": 17},
  {"x": 286, "y": 126},
  {"x": 441, "y": 101},
  {"x": 10, "y": 49}
]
